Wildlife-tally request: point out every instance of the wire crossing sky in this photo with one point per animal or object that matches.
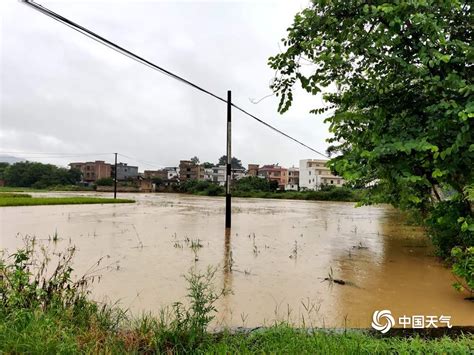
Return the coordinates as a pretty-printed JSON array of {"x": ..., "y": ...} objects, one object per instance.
[{"x": 143, "y": 61}]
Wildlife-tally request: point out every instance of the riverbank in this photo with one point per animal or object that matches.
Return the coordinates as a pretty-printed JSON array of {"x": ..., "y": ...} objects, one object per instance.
[
  {"x": 10, "y": 199},
  {"x": 44, "y": 312}
]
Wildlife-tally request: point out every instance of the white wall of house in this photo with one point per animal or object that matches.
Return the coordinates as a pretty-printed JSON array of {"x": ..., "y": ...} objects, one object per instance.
[
  {"x": 172, "y": 173},
  {"x": 314, "y": 173},
  {"x": 219, "y": 174},
  {"x": 291, "y": 187}
]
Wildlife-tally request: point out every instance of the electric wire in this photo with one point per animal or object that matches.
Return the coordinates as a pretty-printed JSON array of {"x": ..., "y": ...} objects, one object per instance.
[{"x": 156, "y": 67}]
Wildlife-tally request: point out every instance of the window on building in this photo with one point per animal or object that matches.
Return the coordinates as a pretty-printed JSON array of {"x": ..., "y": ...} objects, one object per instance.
[
  {"x": 309, "y": 172},
  {"x": 332, "y": 182},
  {"x": 309, "y": 181}
]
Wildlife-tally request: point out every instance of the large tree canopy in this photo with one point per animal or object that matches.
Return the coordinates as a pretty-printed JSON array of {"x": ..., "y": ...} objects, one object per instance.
[
  {"x": 403, "y": 104},
  {"x": 397, "y": 78}
]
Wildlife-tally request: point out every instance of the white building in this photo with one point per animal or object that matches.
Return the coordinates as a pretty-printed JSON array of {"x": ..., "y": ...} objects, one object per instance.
[
  {"x": 173, "y": 172},
  {"x": 208, "y": 174},
  {"x": 219, "y": 174},
  {"x": 314, "y": 173},
  {"x": 293, "y": 179}
]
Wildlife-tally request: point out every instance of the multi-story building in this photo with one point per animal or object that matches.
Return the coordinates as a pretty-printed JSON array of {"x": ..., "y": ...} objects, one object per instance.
[
  {"x": 125, "y": 171},
  {"x": 208, "y": 174},
  {"x": 314, "y": 173},
  {"x": 219, "y": 174},
  {"x": 252, "y": 170},
  {"x": 161, "y": 174},
  {"x": 293, "y": 179},
  {"x": 276, "y": 173},
  {"x": 190, "y": 171},
  {"x": 92, "y": 171}
]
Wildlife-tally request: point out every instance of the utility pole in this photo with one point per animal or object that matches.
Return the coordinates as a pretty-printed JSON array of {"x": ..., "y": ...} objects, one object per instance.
[
  {"x": 229, "y": 160},
  {"x": 115, "y": 177}
]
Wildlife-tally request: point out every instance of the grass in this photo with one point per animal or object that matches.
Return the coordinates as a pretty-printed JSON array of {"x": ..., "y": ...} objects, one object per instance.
[
  {"x": 50, "y": 188},
  {"x": 43, "y": 310},
  {"x": 21, "y": 200}
]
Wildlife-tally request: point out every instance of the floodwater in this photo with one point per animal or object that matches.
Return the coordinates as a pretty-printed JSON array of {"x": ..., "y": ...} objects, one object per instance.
[{"x": 274, "y": 260}]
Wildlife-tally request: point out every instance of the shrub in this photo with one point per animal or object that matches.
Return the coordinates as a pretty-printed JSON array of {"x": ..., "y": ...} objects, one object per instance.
[
  {"x": 463, "y": 267},
  {"x": 105, "y": 182}
]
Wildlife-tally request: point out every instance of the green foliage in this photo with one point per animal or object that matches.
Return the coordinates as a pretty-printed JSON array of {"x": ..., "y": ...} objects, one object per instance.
[
  {"x": 207, "y": 165},
  {"x": 463, "y": 267},
  {"x": 194, "y": 160},
  {"x": 27, "y": 200},
  {"x": 400, "y": 107},
  {"x": 105, "y": 182},
  {"x": 234, "y": 162},
  {"x": 3, "y": 167},
  {"x": 252, "y": 183},
  {"x": 448, "y": 227},
  {"x": 201, "y": 187},
  {"x": 38, "y": 175}
]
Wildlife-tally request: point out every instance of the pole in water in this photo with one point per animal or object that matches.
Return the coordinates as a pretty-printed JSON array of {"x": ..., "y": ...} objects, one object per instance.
[
  {"x": 115, "y": 177},
  {"x": 229, "y": 159}
]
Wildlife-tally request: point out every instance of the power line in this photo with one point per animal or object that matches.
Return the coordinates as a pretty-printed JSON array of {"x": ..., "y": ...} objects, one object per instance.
[
  {"x": 149, "y": 163},
  {"x": 147, "y": 63}
]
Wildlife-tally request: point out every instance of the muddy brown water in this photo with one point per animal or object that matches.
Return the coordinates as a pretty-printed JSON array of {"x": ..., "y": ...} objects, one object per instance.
[{"x": 274, "y": 260}]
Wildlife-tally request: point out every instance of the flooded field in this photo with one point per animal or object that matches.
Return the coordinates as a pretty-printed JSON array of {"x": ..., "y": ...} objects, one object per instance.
[{"x": 275, "y": 259}]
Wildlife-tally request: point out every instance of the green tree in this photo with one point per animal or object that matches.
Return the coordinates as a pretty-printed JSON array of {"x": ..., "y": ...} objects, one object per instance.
[
  {"x": 38, "y": 175},
  {"x": 397, "y": 79},
  {"x": 234, "y": 162},
  {"x": 3, "y": 167},
  {"x": 195, "y": 160},
  {"x": 207, "y": 165}
]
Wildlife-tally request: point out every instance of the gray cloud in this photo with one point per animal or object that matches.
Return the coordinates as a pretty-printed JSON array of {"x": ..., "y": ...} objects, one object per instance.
[{"x": 62, "y": 92}]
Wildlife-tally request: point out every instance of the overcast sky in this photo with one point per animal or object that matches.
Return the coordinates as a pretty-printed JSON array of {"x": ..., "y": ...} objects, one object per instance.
[{"x": 61, "y": 92}]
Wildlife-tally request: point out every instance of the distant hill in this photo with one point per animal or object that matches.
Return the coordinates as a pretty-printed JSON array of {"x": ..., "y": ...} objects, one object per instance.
[{"x": 10, "y": 159}]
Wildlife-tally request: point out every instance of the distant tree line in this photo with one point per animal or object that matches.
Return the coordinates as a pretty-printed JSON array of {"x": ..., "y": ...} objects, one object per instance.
[
  {"x": 37, "y": 175},
  {"x": 235, "y": 163}
]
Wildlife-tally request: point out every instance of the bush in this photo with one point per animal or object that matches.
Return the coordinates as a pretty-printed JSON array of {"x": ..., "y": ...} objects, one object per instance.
[
  {"x": 445, "y": 229},
  {"x": 105, "y": 182},
  {"x": 463, "y": 267},
  {"x": 201, "y": 187}
]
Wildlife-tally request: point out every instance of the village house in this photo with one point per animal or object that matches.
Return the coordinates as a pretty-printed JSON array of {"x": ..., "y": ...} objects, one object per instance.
[
  {"x": 276, "y": 173},
  {"x": 314, "y": 173},
  {"x": 252, "y": 170},
  {"x": 160, "y": 174},
  {"x": 293, "y": 179},
  {"x": 190, "y": 171},
  {"x": 93, "y": 171},
  {"x": 125, "y": 171}
]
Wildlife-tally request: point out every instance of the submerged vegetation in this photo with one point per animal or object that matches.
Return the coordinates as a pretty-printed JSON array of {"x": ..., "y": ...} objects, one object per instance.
[
  {"x": 45, "y": 309},
  {"x": 17, "y": 199}
]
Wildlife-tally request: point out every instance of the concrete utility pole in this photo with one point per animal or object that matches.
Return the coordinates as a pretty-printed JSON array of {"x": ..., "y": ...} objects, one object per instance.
[
  {"x": 229, "y": 160},
  {"x": 115, "y": 177}
]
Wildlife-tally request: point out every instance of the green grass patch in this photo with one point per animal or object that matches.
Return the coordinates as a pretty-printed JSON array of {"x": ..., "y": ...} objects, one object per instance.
[
  {"x": 38, "y": 201},
  {"x": 13, "y": 195},
  {"x": 50, "y": 188}
]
